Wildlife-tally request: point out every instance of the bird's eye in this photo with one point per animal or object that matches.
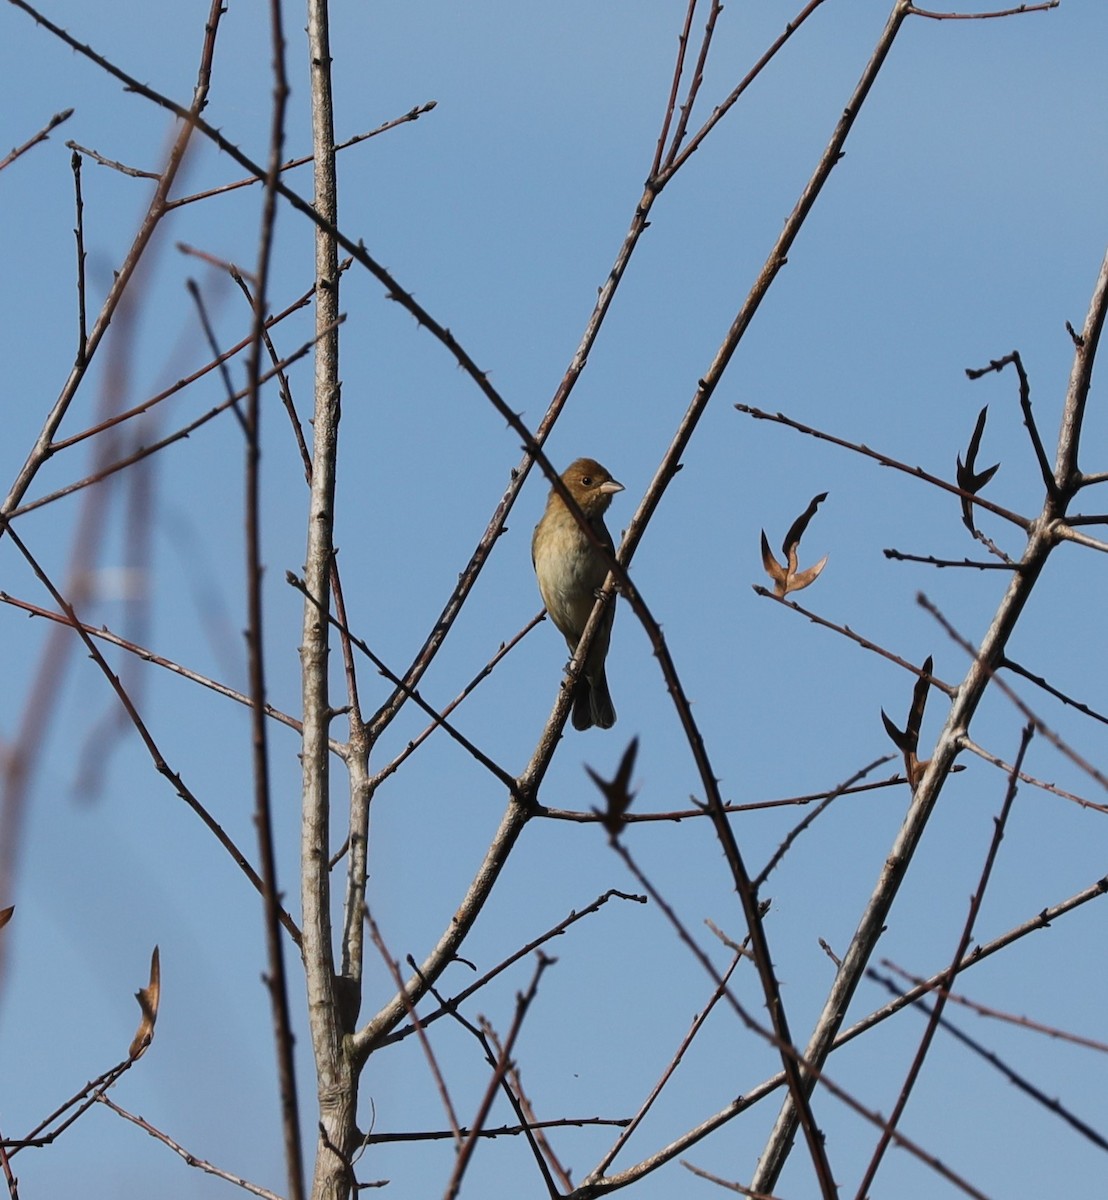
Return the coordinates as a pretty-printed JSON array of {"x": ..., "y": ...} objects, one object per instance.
[{"x": 586, "y": 480}]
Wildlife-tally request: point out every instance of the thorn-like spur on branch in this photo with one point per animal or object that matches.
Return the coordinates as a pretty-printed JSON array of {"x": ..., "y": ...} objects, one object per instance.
[
  {"x": 787, "y": 578},
  {"x": 969, "y": 478},
  {"x": 617, "y": 791},
  {"x": 998, "y": 364},
  {"x": 906, "y": 740}
]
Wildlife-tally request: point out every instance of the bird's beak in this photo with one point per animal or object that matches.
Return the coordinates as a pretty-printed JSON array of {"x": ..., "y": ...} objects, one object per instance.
[{"x": 611, "y": 487}]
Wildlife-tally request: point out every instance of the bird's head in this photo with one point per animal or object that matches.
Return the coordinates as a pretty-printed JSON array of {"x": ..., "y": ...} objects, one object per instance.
[{"x": 591, "y": 485}]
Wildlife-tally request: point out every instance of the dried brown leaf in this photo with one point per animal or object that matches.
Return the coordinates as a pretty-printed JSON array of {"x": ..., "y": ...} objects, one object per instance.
[
  {"x": 899, "y": 738},
  {"x": 906, "y": 740},
  {"x": 916, "y": 770},
  {"x": 801, "y": 579},
  {"x": 774, "y": 569},
  {"x": 919, "y": 701},
  {"x": 969, "y": 478},
  {"x": 786, "y": 578},
  {"x": 148, "y": 998},
  {"x": 617, "y": 791},
  {"x": 797, "y": 528}
]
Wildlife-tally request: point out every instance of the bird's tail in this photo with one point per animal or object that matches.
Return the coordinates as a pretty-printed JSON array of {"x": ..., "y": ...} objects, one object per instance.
[{"x": 592, "y": 703}]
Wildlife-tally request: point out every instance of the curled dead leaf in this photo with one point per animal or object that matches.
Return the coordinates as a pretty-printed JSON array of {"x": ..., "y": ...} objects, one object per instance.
[
  {"x": 148, "y": 998},
  {"x": 969, "y": 478},
  {"x": 786, "y": 578},
  {"x": 906, "y": 740}
]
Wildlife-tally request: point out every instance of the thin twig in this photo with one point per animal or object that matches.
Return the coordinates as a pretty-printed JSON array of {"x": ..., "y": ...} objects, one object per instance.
[
  {"x": 523, "y": 1003},
  {"x": 1041, "y": 726},
  {"x": 169, "y": 440},
  {"x": 969, "y": 744},
  {"x": 931, "y": 561},
  {"x": 79, "y": 234},
  {"x": 678, "y": 71},
  {"x": 729, "y": 1184},
  {"x": 412, "y": 115},
  {"x": 721, "y": 110},
  {"x": 670, "y": 1068},
  {"x": 1011, "y": 665},
  {"x": 1014, "y": 1077},
  {"x": 799, "y": 828},
  {"x": 160, "y": 763},
  {"x": 181, "y": 384},
  {"x": 217, "y": 355},
  {"x": 998, "y": 365},
  {"x": 421, "y": 1033},
  {"x": 695, "y": 81},
  {"x": 1047, "y": 918},
  {"x": 191, "y": 1159},
  {"x": 9, "y": 1177},
  {"x": 483, "y": 674},
  {"x": 546, "y": 1159},
  {"x": 885, "y": 461},
  {"x": 76, "y": 1106},
  {"x": 277, "y": 983},
  {"x": 490, "y": 764},
  {"x": 996, "y": 1014},
  {"x": 450, "y": 1005},
  {"x": 684, "y": 814},
  {"x": 847, "y": 632},
  {"x": 491, "y": 1131},
  {"x": 106, "y": 635},
  {"x": 963, "y": 946},
  {"x": 984, "y": 16},
  {"x": 122, "y": 168},
  {"x": 41, "y": 136}
]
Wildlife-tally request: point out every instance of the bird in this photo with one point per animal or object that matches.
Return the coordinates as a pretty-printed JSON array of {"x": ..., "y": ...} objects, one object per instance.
[{"x": 570, "y": 571}]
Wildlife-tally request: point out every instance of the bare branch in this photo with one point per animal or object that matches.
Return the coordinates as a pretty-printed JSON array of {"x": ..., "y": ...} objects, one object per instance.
[
  {"x": 797, "y": 830},
  {"x": 450, "y": 1005},
  {"x": 122, "y": 168},
  {"x": 984, "y": 16},
  {"x": 1049, "y": 1102},
  {"x": 41, "y": 136},
  {"x": 983, "y": 1010},
  {"x": 847, "y": 632},
  {"x": 998, "y": 365},
  {"x": 417, "y": 1025},
  {"x": 412, "y": 114},
  {"x": 160, "y": 764},
  {"x": 523, "y": 1003},
  {"x": 963, "y": 945},
  {"x": 191, "y": 1159},
  {"x": 79, "y": 234},
  {"x": 918, "y": 472}
]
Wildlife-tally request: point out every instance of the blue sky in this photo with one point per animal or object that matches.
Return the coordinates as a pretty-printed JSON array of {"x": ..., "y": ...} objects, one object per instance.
[{"x": 966, "y": 220}]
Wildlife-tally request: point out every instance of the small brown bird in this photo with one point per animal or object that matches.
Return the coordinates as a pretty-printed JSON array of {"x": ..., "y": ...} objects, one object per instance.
[{"x": 570, "y": 572}]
